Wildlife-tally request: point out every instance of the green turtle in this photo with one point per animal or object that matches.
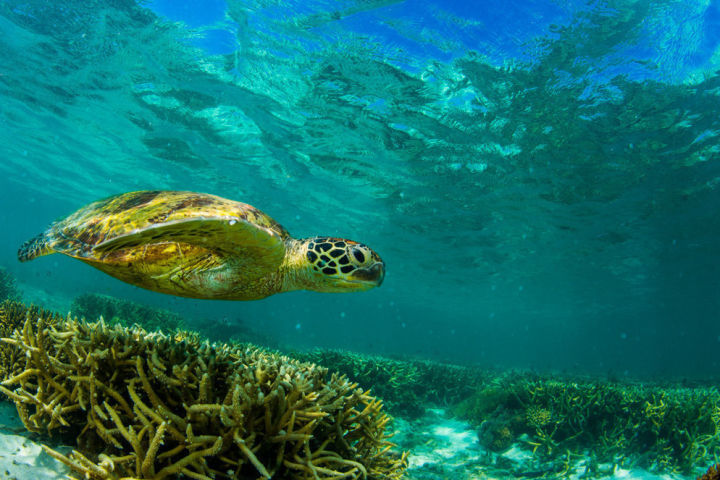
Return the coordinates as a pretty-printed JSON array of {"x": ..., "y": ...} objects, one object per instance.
[{"x": 204, "y": 246}]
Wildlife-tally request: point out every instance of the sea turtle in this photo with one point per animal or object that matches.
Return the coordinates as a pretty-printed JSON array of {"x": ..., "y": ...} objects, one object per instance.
[{"x": 204, "y": 246}]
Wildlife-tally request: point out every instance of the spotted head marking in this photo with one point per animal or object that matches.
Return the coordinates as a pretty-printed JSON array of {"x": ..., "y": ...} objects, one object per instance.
[{"x": 339, "y": 265}]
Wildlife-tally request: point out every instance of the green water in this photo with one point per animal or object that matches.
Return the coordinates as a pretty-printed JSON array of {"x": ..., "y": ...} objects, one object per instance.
[{"x": 549, "y": 205}]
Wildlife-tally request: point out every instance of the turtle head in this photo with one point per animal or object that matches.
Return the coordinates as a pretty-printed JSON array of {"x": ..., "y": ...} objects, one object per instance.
[{"x": 339, "y": 265}]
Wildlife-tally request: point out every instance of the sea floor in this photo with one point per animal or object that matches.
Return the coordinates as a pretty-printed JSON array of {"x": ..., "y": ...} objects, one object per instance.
[
  {"x": 21, "y": 457},
  {"x": 441, "y": 448}
]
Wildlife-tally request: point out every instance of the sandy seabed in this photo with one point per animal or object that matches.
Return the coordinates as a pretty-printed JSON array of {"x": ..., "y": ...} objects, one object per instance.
[
  {"x": 442, "y": 447},
  {"x": 21, "y": 457}
]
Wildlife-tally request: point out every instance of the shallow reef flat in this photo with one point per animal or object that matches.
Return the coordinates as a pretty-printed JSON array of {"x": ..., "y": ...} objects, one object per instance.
[
  {"x": 466, "y": 422},
  {"x": 443, "y": 447},
  {"x": 140, "y": 404},
  {"x": 121, "y": 401}
]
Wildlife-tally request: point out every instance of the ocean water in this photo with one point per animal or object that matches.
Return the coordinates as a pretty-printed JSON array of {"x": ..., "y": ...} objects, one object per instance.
[{"x": 542, "y": 178}]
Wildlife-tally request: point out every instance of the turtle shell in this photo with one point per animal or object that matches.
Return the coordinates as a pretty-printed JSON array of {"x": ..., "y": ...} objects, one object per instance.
[{"x": 183, "y": 243}]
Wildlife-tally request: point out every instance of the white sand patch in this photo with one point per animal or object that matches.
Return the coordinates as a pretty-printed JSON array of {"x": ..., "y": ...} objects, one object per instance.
[
  {"x": 518, "y": 454},
  {"x": 443, "y": 448},
  {"x": 20, "y": 457},
  {"x": 637, "y": 474},
  {"x": 440, "y": 447}
]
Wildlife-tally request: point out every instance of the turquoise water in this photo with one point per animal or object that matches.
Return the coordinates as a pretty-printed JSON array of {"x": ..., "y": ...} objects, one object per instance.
[{"x": 541, "y": 178}]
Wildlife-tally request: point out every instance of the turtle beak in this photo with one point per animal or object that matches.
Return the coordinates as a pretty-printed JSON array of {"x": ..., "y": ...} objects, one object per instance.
[{"x": 374, "y": 274}]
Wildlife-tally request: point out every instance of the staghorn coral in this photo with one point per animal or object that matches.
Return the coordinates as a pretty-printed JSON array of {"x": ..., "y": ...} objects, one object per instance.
[
  {"x": 407, "y": 386},
  {"x": 8, "y": 286},
  {"x": 713, "y": 473},
  {"x": 92, "y": 306},
  {"x": 146, "y": 406},
  {"x": 537, "y": 417},
  {"x": 13, "y": 316},
  {"x": 664, "y": 428}
]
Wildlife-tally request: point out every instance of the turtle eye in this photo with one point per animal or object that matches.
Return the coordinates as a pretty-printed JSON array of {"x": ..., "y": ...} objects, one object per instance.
[{"x": 359, "y": 255}]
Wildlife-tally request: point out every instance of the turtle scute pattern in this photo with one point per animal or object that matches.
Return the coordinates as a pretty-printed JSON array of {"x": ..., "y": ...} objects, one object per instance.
[
  {"x": 129, "y": 211},
  {"x": 115, "y": 216}
]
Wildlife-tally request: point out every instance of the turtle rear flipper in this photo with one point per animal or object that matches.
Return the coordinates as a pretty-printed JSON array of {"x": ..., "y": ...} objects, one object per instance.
[{"x": 35, "y": 247}]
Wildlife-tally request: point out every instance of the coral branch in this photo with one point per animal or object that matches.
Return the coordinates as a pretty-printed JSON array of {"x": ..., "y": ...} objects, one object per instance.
[{"x": 149, "y": 406}]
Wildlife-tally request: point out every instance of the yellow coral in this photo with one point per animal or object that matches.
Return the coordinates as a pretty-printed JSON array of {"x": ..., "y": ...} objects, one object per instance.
[
  {"x": 537, "y": 417},
  {"x": 13, "y": 316},
  {"x": 147, "y": 406}
]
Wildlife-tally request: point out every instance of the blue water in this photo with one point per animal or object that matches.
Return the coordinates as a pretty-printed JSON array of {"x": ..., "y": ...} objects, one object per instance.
[{"x": 541, "y": 178}]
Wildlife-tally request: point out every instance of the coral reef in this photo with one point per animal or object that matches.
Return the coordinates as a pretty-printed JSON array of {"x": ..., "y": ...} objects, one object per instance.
[
  {"x": 661, "y": 428},
  {"x": 233, "y": 330},
  {"x": 147, "y": 406},
  {"x": 406, "y": 386},
  {"x": 537, "y": 417},
  {"x": 13, "y": 316},
  {"x": 713, "y": 473},
  {"x": 8, "y": 286},
  {"x": 495, "y": 436},
  {"x": 92, "y": 306}
]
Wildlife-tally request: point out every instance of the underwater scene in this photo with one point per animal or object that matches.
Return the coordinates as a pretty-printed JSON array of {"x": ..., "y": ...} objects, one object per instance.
[{"x": 359, "y": 239}]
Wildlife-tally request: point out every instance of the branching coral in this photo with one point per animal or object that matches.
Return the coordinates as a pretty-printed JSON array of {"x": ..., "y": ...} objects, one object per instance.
[
  {"x": 406, "y": 385},
  {"x": 537, "y": 417},
  {"x": 146, "y": 406},
  {"x": 13, "y": 316},
  {"x": 8, "y": 286},
  {"x": 92, "y": 306},
  {"x": 713, "y": 473},
  {"x": 664, "y": 428}
]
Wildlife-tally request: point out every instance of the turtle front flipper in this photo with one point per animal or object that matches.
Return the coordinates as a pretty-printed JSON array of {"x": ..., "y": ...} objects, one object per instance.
[{"x": 35, "y": 247}]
